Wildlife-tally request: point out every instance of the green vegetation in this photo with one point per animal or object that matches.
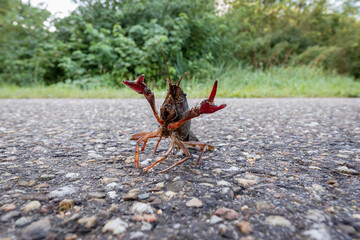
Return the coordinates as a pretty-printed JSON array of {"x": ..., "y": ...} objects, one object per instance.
[
  {"x": 285, "y": 48},
  {"x": 277, "y": 82}
]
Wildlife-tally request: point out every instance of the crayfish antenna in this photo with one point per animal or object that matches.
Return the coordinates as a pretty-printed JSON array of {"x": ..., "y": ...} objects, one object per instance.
[
  {"x": 181, "y": 78},
  {"x": 167, "y": 68}
]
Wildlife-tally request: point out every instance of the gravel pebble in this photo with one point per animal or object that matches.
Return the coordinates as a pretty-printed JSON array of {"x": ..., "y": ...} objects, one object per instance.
[
  {"x": 131, "y": 195},
  {"x": 31, "y": 206},
  {"x": 142, "y": 208},
  {"x": 37, "y": 230},
  {"x": 194, "y": 202},
  {"x": 87, "y": 222},
  {"x": 278, "y": 221},
  {"x": 23, "y": 221},
  {"x": 62, "y": 192},
  {"x": 115, "y": 226}
]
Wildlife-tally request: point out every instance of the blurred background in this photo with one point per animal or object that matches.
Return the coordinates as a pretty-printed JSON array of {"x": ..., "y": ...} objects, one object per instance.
[{"x": 274, "y": 48}]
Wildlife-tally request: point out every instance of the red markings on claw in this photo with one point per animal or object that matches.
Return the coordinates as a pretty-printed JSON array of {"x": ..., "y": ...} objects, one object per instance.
[
  {"x": 213, "y": 92},
  {"x": 207, "y": 106},
  {"x": 137, "y": 85}
]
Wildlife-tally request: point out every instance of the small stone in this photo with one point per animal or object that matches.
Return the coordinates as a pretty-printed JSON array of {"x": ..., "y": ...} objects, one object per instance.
[
  {"x": 112, "y": 194},
  {"x": 23, "y": 184},
  {"x": 318, "y": 232},
  {"x": 106, "y": 180},
  {"x": 37, "y": 230},
  {"x": 207, "y": 185},
  {"x": 145, "y": 217},
  {"x": 333, "y": 183},
  {"x": 66, "y": 205},
  {"x": 315, "y": 215},
  {"x": 318, "y": 188},
  {"x": 62, "y": 192},
  {"x": 104, "y": 214},
  {"x": 264, "y": 206},
  {"x": 111, "y": 185},
  {"x": 346, "y": 229},
  {"x": 31, "y": 206},
  {"x": 175, "y": 186},
  {"x": 113, "y": 208},
  {"x": 9, "y": 215},
  {"x": 245, "y": 207},
  {"x": 146, "y": 162},
  {"x": 330, "y": 210},
  {"x": 137, "y": 235},
  {"x": 31, "y": 183},
  {"x": 233, "y": 169},
  {"x": 245, "y": 183},
  {"x": 42, "y": 185},
  {"x": 278, "y": 221},
  {"x": 23, "y": 221},
  {"x": 95, "y": 195},
  {"x": 247, "y": 238},
  {"x": 160, "y": 185},
  {"x": 229, "y": 137},
  {"x": 225, "y": 231},
  {"x": 131, "y": 195},
  {"x": 72, "y": 176},
  {"x": 88, "y": 222},
  {"x": 97, "y": 200},
  {"x": 73, "y": 217},
  {"x": 217, "y": 170},
  {"x": 143, "y": 196},
  {"x": 46, "y": 177},
  {"x": 245, "y": 227},
  {"x": 115, "y": 226},
  {"x": 145, "y": 226},
  {"x": 71, "y": 236},
  {"x": 223, "y": 183},
  {"x": 168, "y": 195},
  {"x": 129, "y": 160},
  {"x": 8, "y": 207},
  {"x": 229, "y": 214},
  {"x": 215, "y": 219},
  {"x": 156, "y": 201},
  {"x": 142, "y": 208},
  {"x": 194, "y": 202},
  {"x": 45, "y": 209},
  {"x": 95, "y": 156},
  {"x": 345, "y": 169}
]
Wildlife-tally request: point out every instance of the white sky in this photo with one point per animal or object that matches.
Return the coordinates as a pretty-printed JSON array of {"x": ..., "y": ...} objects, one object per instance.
[{"x": 58, "y": 8}]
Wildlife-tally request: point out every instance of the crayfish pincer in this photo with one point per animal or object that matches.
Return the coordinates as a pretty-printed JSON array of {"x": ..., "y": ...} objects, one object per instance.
[{"x": 175, "y": 120}]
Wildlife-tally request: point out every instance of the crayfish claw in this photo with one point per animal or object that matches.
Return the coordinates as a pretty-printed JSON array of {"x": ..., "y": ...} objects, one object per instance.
[
  {"x": 207, "y": 106},
  {"x": 137, "y": 85}
]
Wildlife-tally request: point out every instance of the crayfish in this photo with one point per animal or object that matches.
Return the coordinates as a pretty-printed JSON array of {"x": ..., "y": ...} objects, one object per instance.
[{"x": 175, "y": 119}]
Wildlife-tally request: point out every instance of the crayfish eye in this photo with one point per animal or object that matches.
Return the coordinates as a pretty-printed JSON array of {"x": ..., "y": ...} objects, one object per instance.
[{"x": 185, "y": 94}]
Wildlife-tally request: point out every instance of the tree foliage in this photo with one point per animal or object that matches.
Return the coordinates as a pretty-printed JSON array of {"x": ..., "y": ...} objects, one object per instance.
[{"x": 103, "y": 42}]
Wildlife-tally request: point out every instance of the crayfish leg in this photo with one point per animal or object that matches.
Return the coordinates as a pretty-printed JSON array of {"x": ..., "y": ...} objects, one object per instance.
[
  {"x": 186, "y": 152},
  {"x": 203, "y": 146},
  {"x": 156, "y": 146},
  {"x": 172, "y": 143},
  {"x": 144, "y": 139},
  {"x": 137, "y": 136}
]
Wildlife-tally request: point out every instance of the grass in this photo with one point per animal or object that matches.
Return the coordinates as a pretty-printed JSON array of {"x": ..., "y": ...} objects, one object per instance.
[{"x": 233, "y": 82}]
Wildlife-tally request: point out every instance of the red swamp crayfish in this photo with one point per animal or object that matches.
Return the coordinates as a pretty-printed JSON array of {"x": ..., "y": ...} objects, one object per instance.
[{"x": 175, "y": 119}]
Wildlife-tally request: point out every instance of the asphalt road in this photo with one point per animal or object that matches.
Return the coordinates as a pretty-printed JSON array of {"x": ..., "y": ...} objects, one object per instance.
[{"x": 282, "y": 169}]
